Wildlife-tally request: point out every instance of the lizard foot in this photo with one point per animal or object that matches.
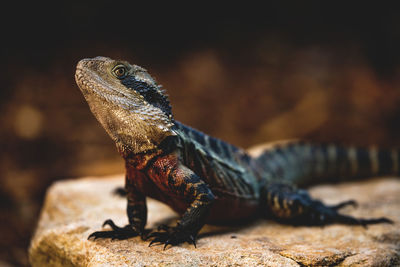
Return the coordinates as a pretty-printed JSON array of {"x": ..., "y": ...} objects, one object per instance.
[
  {"x": 319, "y": 214},
  {"x": 296, "y": 206},
  {"x": 117, "y": 232},
  {"x": 171, "y": 236}
]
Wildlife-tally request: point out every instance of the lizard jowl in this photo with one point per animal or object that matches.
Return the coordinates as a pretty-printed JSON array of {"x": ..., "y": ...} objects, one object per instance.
[{"x": 207, "y": 180}]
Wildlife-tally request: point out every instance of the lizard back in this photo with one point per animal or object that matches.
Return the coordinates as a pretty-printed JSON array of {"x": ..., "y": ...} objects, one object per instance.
[{"x": 226, "y": 168}]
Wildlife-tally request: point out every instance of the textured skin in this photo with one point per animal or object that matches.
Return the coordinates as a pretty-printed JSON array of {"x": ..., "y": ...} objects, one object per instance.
[{"x": 205, "y": 179}]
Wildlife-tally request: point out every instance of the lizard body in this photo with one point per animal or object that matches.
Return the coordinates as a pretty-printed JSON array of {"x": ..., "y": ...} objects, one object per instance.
[{"x": 202, "y": 178}]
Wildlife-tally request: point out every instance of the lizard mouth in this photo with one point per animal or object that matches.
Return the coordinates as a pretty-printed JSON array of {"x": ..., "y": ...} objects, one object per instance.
[
  {"x": 80, "y": 78},
  {"x": 83, "y": 75}
]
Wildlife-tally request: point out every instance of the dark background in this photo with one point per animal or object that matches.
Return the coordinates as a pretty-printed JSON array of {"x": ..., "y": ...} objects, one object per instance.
[{"x": 244, "y": 74}]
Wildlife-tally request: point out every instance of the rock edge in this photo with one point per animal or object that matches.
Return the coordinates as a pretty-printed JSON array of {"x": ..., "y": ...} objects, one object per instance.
[{"x": 75, "y": 208}]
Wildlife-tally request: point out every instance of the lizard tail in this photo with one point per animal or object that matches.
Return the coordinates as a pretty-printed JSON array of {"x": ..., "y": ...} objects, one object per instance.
[{"x": 306, "y": 164}]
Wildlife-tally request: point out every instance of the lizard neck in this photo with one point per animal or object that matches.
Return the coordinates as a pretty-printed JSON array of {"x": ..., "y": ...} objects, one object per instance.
[
  {"x": 135, "y": 158},
  {"x": 134, "y": 130}
]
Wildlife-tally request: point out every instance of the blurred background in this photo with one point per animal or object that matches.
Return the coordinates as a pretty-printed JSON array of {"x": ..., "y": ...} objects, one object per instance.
[{"x": 245, "y": 74}]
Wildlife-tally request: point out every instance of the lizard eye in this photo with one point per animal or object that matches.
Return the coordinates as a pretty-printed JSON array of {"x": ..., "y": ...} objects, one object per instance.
[{"x": 119, "y": 71}]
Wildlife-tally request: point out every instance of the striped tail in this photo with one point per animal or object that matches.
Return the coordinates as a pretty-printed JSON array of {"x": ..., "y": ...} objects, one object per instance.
[{"x": 310, "y": 163}]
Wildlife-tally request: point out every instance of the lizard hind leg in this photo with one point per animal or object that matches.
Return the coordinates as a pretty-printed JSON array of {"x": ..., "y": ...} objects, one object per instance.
[{"x": 295, "y": 206}]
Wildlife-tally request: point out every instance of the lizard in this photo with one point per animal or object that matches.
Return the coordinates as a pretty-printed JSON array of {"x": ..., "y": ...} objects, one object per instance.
[{"x": 207, "y": 180}]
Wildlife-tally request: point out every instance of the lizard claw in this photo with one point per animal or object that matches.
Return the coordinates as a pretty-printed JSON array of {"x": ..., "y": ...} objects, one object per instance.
[
  {"x": 111, "y": 224},
  {"x": 100, "y": 234},
  {"x": 191, "y": 238},
  {"x": 363, "y": 222},
  {"x": 344, "y": 204},
  {"x": 171, "y": 236}
]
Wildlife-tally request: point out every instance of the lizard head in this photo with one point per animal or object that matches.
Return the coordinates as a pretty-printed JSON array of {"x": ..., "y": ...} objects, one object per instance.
[{"x": 127, "y": 101}]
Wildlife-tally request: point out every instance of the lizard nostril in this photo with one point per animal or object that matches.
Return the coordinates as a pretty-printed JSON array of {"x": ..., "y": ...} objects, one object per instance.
[{"x": 81, "y": 64}]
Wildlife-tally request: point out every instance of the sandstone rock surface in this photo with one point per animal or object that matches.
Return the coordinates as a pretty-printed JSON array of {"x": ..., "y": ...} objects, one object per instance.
[{"x": 75, "y": 208}]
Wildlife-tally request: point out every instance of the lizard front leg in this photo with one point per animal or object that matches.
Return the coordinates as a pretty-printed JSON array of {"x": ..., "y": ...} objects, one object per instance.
[
  {"x": 137, "y": 216},
  {"x": 184, "y": 183}
]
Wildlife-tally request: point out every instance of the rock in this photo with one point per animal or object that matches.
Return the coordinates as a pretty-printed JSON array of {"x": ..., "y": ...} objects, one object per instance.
[{"x": 75, "y": 208}]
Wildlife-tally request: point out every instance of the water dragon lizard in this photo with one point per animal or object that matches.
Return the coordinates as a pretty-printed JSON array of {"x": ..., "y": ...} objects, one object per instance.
[{"x": 204, "y": 179}]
